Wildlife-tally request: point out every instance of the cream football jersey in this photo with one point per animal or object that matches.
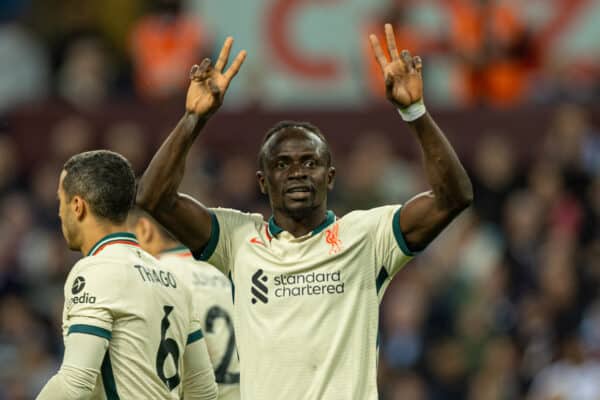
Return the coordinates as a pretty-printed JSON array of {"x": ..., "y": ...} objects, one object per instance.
[
  {"x": 307, "y": 308},
  {"x": 212, "y": 291},
  {"x": 121, "y": 293}
]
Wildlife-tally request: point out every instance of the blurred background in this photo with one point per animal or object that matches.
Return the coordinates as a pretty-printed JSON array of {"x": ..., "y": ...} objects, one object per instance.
[{"x": 504, "y": 305}]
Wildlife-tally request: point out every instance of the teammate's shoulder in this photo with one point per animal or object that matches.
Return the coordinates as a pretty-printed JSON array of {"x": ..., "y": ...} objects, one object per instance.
[
  {"x": 94, "y": 263},
  {"x": 207, "y": 269},
  {"x": 114, "y": 260},
  {"x": 146, "y": 257},
  {"x": 177, "y": 264},
  {"x": 95, "y": 269},
  {"x": 189, "y": 266}
]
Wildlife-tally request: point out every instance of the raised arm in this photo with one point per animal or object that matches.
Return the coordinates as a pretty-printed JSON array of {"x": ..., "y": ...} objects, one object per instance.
[
  {"x": 157, "y": 192},
  {"x": 424, "y": 216}
]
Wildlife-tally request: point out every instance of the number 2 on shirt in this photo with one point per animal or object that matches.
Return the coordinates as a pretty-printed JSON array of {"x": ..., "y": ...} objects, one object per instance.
[{"x": 221, "y": 374}]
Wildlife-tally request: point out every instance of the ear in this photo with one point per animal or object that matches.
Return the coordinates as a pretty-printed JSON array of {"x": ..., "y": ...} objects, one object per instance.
[
  {"x": 144, "y": 230},
  {"x": 79, "y": 207},
  {"x": 330, "y": 178},
  {"x": 262, "y": 183}
]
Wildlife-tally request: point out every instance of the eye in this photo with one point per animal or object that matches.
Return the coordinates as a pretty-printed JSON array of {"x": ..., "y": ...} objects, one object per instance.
[
  {"x": 280, "y": 164},
  {"x": 310, "y": 163}
]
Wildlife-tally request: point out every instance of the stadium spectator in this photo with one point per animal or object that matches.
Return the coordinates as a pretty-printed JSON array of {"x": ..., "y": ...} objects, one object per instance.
[
  {"x": 10, "y": 173},
  {"x": 494, "y": 174},
  {"x": 494, "y": 49},
  {"x": 24, "y": 67},
  {"x": 125, "y": 138},
  {"x": 163, "y": 46},
  {"x": 87, "y": 74},
  {"x": 572, "y": 376},
  {"x": 407, "y": 387},
  {"x": 70, "y": 135}
]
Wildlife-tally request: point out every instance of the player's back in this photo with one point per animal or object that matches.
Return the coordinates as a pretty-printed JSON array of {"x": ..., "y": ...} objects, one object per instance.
[
  {"x": 214, "y": 303},
  {"x": 120, "y": 292}
]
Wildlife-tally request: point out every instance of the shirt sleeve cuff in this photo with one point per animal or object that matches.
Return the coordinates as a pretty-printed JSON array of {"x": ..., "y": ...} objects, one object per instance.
[
  {"x": 194, "y": 336},
  {"x": 399, "y": 236},
  {"x": 90, "y": 330},
  {"x": 207, "y": 251}
]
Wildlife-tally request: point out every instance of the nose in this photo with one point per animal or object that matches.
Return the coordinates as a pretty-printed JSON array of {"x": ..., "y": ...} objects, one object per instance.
[{"x": 297, "y": 171}]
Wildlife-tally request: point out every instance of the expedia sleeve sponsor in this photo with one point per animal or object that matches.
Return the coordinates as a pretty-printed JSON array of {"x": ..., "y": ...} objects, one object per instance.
[
  {"x": 78, "y": 293},
  {"x": 92, "y": 294}
]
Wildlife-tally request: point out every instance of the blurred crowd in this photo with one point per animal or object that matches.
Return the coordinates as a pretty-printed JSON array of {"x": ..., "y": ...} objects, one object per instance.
[
  {"x": 493, "y": 52},
  {"x": 89, "y": 53},
  {"x": 505, "y": 304},
  {"x": 477, "y": 52}
]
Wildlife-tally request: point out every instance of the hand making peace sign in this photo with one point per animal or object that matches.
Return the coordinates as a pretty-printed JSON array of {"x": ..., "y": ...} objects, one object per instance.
[
  {"x": 209, "y": 84},
  {"x": 402, "y": 75}
]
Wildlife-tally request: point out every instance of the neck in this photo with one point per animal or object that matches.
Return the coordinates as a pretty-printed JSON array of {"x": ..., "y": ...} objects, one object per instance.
[
  {"x": 95, "y": 233},
  {"x": 300, "y": 225},
  {"x": 166, "y": 245}
]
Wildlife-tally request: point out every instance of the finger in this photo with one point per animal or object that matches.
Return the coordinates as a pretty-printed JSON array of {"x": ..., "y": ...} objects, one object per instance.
[
  {"x": 204, "y": 65},
  {"x": 378, "y": 51},
  {"x": 199, "y": 72},
  {"x": 235, "y": 66},
  {"x": 205, "y": 74},
  {"x": 391, "y": 42},
  {"x": 407, "y": 59},
  {"x": 224, "y": 54},
  {"x": 214, "y": 89},
  {"x": 418, "y": 63},
  {"x": 194, "y": 70},
  {"x": 389, "y": 80},
  {"x": 389, "y": 85},
  {"x": 202, "y": 76}
]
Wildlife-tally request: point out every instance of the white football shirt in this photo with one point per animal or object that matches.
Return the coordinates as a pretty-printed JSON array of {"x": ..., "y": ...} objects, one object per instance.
[
  {"x": 121, "y": 293},
  {"x": 307, "y": 308},
  {"x": 213, "y": 299}
]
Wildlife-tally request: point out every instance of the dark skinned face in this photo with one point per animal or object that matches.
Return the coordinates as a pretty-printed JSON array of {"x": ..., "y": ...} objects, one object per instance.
[{"x": 295, "y": 173}]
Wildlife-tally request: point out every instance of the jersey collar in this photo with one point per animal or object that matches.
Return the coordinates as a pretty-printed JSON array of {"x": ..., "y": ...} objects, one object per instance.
[
  {"x": 114, "y": 238},
  {"x": 179, "y": 251},
  {"x": 275, "y": 229}
]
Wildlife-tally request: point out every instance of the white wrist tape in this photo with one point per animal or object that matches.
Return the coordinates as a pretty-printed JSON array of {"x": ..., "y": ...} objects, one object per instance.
[{"x": 413, "y": 112}]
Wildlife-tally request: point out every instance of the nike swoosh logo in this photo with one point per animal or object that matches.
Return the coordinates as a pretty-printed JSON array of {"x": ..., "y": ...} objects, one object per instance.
[{"x": 256, "y": 240}]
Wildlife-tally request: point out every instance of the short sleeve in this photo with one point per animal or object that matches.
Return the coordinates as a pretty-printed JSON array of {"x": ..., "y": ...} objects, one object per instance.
[
  {"x": 195, "y": 332},
  {"x": 391, "y": 250},
  {"x": 226, "y": 226},
  {"x": 91, "y": 295}
]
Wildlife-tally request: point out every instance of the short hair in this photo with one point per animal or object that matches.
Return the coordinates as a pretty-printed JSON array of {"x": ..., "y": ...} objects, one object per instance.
[
  {"x": 282, "y": 125},
  {"x": 105, "y": 180},
  {"x": 136, "y": 213}
]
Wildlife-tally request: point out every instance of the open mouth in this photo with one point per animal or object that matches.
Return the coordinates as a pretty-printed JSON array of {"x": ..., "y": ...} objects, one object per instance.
[
  {"x": 299, "y": 189},
  {"x": 298, "y": 192}
]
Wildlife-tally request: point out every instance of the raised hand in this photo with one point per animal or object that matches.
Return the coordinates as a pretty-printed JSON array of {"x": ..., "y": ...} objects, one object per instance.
[
  {"x": 209, "y": 84},
  {"x": 402, "y": 75}
]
